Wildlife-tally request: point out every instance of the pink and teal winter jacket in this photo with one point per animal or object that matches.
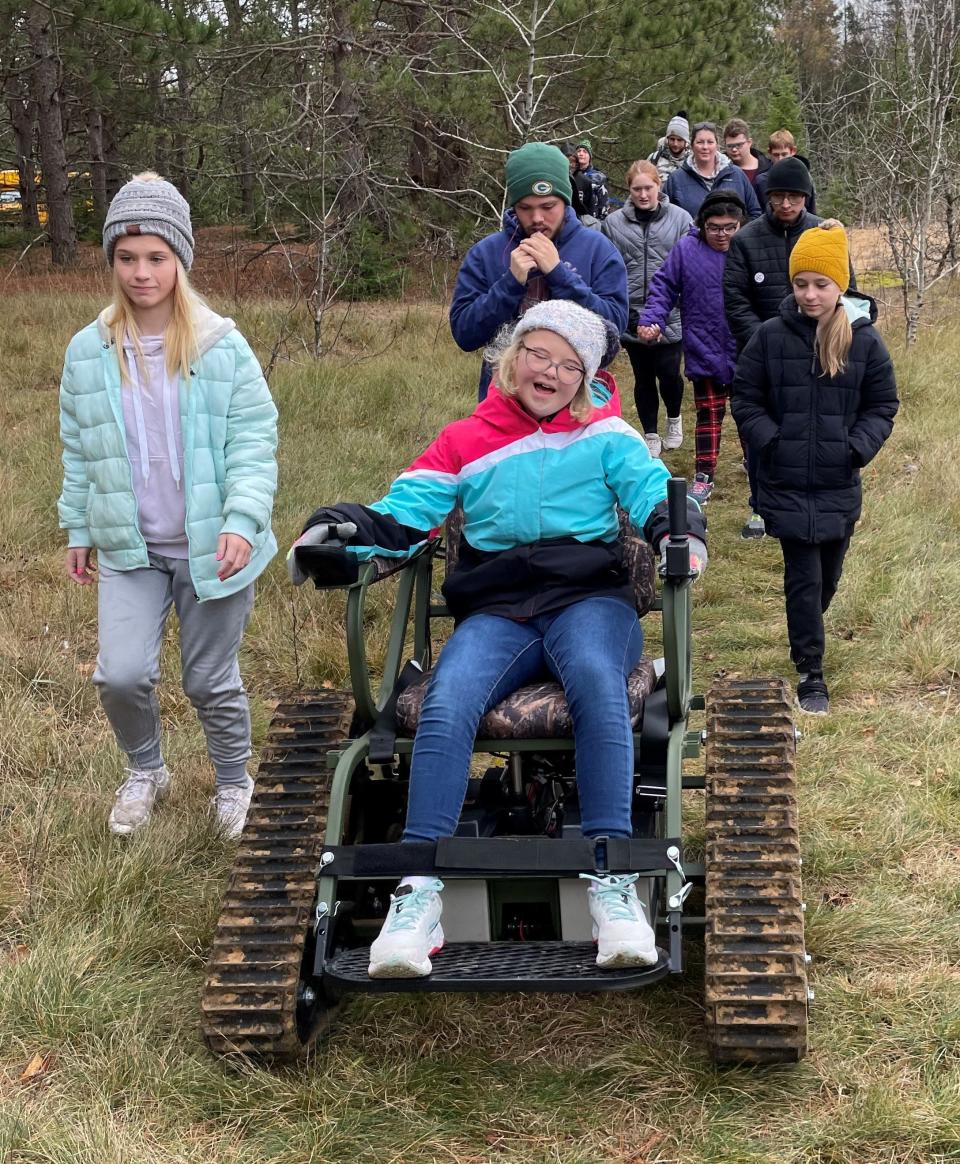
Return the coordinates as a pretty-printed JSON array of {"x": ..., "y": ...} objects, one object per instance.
[{"x": 540, "y": 506}]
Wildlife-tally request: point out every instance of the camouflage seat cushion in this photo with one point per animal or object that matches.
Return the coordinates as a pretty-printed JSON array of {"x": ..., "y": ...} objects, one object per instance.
[{"x": 535, "y": 711}]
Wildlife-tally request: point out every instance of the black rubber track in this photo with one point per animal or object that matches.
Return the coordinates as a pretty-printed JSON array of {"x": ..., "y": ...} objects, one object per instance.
[
  {"x": 756, "y": 981},
  {"x": 250, "y": 995}
]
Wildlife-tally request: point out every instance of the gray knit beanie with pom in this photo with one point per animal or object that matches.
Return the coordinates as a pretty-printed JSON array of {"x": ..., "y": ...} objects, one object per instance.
[
  {"x": 150, "y": 205},
  {"x": 594, "y": 340}
]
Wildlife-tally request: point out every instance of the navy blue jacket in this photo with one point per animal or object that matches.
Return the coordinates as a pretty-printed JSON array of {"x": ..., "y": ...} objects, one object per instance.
[
  {"x": 813, "y": 433},
  {"x": 487, "y": 296},
  {"x": 686, "y": 188}
]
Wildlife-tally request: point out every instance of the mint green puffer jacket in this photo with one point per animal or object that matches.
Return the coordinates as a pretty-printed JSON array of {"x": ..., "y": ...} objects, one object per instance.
[{"x": 229, "y": 425}]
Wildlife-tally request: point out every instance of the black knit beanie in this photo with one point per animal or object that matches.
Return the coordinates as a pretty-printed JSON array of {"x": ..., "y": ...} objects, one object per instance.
[
  {"x": 790, "y": 175},
  {"x": 722, "y": 197}
]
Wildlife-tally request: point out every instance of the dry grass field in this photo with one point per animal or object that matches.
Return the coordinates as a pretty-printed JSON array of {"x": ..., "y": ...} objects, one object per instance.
[{"x": 103, "y": 941}]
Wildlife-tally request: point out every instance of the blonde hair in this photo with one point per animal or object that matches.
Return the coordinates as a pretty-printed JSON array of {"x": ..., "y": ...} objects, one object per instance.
[
  {"x": 644, "y": 167},
  {"x": 782, "y": 137},
  {"x": 180, "y": 337},
  {"x": 833, "y": 342},
  {"x": 581, "y": 406}
]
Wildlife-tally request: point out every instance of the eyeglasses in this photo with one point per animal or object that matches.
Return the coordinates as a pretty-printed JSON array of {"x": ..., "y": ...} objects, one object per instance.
[
  {"x": 538, "y": 361},
  {"x": 734, "y": 145},
  {"x": 786, "y": 196},
  {"x": 722, "y": 228}
]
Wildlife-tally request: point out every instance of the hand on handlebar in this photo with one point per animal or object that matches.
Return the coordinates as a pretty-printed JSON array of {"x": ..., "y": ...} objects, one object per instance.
[
  {"x": 316, "y": 535},
  {"x": 698, "y": 555}
]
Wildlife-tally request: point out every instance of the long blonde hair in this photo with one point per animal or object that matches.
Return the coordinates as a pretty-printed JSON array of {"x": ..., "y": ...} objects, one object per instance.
[
  {"x": 581, "y": 406},
  {"x": 180, "y": 337},
  {"x": 833, "y": 342}
]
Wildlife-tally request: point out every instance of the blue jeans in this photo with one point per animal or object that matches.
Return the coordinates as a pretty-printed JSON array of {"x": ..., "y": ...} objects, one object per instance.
[{"x": 590, "y": 647}]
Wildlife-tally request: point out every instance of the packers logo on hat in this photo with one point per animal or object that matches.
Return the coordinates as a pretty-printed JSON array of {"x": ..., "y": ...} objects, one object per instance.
[{"x": 542, "y": 187}]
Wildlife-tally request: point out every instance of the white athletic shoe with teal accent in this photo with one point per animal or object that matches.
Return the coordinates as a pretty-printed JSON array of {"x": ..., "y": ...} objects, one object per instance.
[
  {"x": 411, "y": 933},
  {"x": 623, "y": 935}
]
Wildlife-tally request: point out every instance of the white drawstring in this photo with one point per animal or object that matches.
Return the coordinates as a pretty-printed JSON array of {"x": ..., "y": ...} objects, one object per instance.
[
  {"x": 169, "y": 383},
  {"x": 138, "y": 414}
]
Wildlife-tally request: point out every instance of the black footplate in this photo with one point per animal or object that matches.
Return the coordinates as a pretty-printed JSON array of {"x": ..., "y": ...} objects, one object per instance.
[{"x": 507, "y": 967}]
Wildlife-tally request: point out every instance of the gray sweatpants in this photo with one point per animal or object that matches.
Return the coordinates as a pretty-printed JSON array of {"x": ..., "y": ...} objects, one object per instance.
[{"x": 133, "y": 607}]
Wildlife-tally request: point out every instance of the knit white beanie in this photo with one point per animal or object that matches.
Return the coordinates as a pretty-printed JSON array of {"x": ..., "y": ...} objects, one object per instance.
[{"x": 594, "y": 340}]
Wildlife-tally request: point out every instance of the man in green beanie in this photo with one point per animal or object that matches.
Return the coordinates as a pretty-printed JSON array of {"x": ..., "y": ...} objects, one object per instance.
[{"x": 542, "y": 252}]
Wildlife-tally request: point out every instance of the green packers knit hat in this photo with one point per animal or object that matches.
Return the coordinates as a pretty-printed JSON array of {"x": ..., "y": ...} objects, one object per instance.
[{"x": 539, "y": 169}]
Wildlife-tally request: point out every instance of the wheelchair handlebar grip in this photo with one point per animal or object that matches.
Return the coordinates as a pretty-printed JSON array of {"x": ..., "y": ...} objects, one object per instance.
[
  {"x": 343, "y": 532},
  {"x": 677, "y": 506}
]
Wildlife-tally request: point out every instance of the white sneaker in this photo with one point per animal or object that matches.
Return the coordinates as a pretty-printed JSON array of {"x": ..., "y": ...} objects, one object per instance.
[
  {"x": 231, "y": 804},
  {"x": 623, "y": 935},
  {"x": 135, "y": 797},
  {"x": 654, "y": 443},
  {"x": 673, "y": 437},
  {"x": 411, "y": 933}
]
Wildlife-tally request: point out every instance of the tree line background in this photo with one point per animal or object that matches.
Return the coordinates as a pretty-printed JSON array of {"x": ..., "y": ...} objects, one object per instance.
[{"x": 376, "y": 130}]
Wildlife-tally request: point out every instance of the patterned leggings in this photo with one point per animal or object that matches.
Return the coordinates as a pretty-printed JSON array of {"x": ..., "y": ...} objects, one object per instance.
[{"x": 711, "y": 403}]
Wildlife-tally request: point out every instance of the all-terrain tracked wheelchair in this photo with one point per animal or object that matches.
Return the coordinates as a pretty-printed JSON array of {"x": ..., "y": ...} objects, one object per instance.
[{"x": 319, "y": 856}]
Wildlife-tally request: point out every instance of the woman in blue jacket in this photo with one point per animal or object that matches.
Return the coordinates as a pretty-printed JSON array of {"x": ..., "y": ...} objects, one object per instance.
[
  {"x": 169, "y": 457},
  {"x": 706, "y": 170}
]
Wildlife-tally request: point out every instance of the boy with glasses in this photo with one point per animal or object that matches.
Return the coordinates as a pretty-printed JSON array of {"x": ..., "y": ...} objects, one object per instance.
[
  {"x": 782, "y": 144},
  {"x": 738, "y": 146}
]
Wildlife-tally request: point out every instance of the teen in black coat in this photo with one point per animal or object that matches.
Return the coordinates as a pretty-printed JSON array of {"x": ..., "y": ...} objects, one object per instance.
[{"x": 812, "y": 433}]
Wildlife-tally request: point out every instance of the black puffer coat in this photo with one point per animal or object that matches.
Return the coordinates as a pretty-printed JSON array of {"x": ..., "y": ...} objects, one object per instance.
[
  {"x": 813, "y": 433},
  {"x": 757, "y": 275}
]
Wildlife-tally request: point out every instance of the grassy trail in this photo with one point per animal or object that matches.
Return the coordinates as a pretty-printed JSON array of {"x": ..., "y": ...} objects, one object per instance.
[{"x": 102, "y": 943}]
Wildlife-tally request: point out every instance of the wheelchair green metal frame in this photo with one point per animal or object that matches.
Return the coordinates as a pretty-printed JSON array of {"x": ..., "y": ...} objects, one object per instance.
[{"x": 414, "y": 599}]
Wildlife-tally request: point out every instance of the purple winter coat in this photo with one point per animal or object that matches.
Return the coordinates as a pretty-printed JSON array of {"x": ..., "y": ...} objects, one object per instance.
[{"x": 693, "y": 273}]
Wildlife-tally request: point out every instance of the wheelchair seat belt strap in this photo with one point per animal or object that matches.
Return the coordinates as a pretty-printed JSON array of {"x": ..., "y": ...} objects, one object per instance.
[{"x": 383, "y": 737}]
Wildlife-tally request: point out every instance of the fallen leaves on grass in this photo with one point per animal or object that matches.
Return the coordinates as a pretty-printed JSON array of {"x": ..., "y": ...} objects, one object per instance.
[
  {"x": 640, "y": 1155},
  {"x": 38, "y": 1068},
  {"x": 839, "y": 897},
  {"x": 13, "y": 953}
]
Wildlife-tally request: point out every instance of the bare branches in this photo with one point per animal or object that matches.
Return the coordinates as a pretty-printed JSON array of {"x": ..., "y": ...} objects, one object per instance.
[{"x": 895, "y": 99}]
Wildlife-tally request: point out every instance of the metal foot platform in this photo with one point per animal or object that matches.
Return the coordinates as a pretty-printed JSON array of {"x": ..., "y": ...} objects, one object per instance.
[{"x": 508, "y": 967}]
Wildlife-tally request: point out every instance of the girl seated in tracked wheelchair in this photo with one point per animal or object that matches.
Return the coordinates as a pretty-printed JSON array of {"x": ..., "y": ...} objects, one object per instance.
[{"x": 540, "y": 586}]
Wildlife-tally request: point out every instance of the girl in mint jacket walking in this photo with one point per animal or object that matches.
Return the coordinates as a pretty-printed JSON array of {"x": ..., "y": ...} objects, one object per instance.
[{"x": 169, "y": 456}]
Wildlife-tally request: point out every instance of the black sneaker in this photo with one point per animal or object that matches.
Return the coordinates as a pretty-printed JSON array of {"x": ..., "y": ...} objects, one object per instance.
[
  {"x": 812, "y": 695},
  {"x": 754, "y": 529}
]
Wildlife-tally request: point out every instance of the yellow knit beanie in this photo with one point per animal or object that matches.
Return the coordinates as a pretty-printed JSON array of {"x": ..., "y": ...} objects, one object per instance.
[{"x": 824, "y": 252}]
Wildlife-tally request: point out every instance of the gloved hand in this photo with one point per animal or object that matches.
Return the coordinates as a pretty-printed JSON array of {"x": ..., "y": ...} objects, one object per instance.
[
  {"x": 698, "y": 555},
  {"x": 316, "y": 535}
]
